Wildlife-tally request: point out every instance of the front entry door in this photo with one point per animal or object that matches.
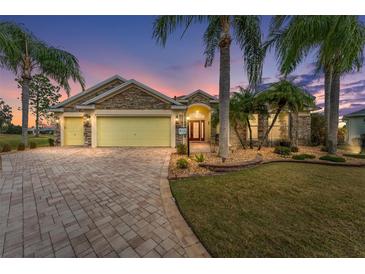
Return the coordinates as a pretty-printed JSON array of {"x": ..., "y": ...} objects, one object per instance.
[{"x": 196, "y": 130}]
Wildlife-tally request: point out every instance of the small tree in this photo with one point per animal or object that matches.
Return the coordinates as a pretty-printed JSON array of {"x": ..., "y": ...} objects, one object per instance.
[
  {"x": 318, "y": 129},
  {"x": 42, "y": 95},
  {"x": 283, "y": 95},
  {"x": 6, "y": 115}
]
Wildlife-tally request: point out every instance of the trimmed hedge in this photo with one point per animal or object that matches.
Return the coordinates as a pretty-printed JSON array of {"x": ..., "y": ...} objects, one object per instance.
[
  {"x": 6, "y": 148},
  {"x": 357, "y": 156},
  {"x": 332, "y": 158},
  {"x": 282, "y": 150},
  {"x": 303, "y": 156},
  {"x": 21, "y": 147}
]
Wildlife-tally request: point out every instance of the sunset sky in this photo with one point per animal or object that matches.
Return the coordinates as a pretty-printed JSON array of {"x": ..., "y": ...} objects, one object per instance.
[{"x": 109, "y": 45}]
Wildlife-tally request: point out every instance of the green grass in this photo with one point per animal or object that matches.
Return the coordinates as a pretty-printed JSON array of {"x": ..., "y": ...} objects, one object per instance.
[
  {"x": 14, "y": 140},
  {"x": 277, "y": 210}
]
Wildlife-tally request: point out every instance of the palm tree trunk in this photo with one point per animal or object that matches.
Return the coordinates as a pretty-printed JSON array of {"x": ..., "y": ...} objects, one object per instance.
[
  {"x": 224, "y": 88},
  {"x": 270, "y": 127},
  {"x": 334, "y": 113},
  {"x": 239, "y": 136},
  {"x": 25, "y": 109},
  {"x": 327, "y": 91},
  {"x": 37, "y": 117},
  {"x": 250, "y": 132}
]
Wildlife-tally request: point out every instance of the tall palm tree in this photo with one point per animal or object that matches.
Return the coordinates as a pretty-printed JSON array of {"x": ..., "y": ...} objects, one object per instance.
[
  {"x": 338, "y": 42},
  {"x": 25, "y": 55},
  {"x": 218, "y": 35},
  {"x": 283, "y": 95}
]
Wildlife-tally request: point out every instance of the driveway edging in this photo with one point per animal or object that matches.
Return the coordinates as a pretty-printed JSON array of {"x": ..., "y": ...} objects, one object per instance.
[{"x": 187, "y": 238}]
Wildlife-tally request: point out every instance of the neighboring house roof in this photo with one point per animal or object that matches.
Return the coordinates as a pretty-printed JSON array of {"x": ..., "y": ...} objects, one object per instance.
[
  {"x": 359, "y": 113},
  {"x": 89, "y": 90},
  {"x": 117, "y": 89}
]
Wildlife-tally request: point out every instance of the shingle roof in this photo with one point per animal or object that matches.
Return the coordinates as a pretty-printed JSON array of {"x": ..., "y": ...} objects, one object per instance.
[{"x": 358, "y": 113}]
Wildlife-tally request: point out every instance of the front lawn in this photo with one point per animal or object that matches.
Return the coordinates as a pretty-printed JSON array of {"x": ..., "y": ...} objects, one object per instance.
[
  {"x": 277, "y": 210},
  {"x": 15, "y": 139}
]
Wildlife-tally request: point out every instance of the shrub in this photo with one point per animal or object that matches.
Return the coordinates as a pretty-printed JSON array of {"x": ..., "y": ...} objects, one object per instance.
[
  {"x": 199, "y": 158},
  {"x": 333, "y": 158},
  {"x": 282, "y": 150},
  {"x": 358, "y": 156},
  {"x": 21, "y": 147},
  {"x": 324, "y": 149},
  {"x": 181, "y": 149},
  {"x": 32, "y": 145},
  {"x": 6, "y": 148},
  {"x": 182, "y": 163},
  {"x": 294, "y": 149},
  {"x": 303, "y": 156},
  {"x": 284, "y": 143},
  {"x": 51, "y": 142}
]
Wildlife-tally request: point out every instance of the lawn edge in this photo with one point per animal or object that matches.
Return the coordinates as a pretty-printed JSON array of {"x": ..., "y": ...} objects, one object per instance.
[{"x": 188, "y": 240}]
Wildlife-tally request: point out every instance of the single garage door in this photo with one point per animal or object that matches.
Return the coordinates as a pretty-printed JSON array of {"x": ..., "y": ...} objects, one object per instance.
[
  {"x": 133, "y": 131},
  {"x": 73, "y": 131}
]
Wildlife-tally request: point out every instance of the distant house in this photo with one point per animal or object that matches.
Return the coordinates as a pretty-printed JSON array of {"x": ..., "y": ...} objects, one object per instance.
[{"x": 355, "y": 123}]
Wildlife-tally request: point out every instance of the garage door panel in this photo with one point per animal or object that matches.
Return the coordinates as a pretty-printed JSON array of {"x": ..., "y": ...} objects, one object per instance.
[
  {"x": 133, "y": 131},
  {"x": 73, "y": 131}
]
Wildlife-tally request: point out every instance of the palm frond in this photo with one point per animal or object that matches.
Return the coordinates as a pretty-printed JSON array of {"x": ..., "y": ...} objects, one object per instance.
[
  {"x": 164, "y": 25},
  {"x": 211, "y": 39},
  {"x": 248, "y": 37}
]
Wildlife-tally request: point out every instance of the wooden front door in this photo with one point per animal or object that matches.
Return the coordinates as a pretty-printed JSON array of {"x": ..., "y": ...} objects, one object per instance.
[{"x": 196, "y": 130}]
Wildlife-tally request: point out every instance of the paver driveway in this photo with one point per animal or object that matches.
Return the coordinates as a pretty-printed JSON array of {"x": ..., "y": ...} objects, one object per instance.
[{"x": 80, "y": 202}]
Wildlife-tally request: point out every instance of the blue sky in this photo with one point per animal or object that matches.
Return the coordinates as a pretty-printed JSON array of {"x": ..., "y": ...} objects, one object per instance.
[{"x": 108, "y": 45}]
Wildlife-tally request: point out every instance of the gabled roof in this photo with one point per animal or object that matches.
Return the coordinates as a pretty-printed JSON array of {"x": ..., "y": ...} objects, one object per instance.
[
  {"x": 117, "y": 89},
  {"x": 358, "y": 113},
  {"x": 89, "y": 90},
  {"x": 196, "y": 92}
]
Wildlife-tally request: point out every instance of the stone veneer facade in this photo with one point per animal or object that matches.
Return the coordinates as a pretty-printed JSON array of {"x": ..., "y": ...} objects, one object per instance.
[{"x": 133, "y": 98}]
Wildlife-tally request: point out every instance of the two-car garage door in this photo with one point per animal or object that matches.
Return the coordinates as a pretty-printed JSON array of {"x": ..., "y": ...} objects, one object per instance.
[{"x": 133, "y": 131}]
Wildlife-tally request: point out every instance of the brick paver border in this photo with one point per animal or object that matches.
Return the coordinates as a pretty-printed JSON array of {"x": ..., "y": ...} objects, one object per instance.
[{"x": 187, "y": 238}]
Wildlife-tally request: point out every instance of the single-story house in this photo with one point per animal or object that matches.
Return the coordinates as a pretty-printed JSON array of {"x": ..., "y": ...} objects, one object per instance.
[
  {"x": 355, "y": 123},
  {"x": 121, "y": 112}
]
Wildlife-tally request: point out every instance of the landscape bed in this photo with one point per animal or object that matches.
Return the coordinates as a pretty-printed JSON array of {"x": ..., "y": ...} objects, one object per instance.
[
  {"x": 277, "y": 210},
  {"x": 240, "y": 156}
]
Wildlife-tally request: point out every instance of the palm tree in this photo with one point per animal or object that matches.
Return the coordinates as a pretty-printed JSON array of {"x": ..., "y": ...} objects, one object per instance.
[
  {"x": 245, "y": 104},
  {"x": 25, "y": 55},
  {"x": 339, "y": 43},
  {"x": 236, "y": 116},
  {"x": 247, "y": 34},
  {"x": 283, "y": 95}
]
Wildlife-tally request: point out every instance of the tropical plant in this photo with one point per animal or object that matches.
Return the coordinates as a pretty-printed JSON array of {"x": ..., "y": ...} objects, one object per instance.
[
  {"x": 42, "y": 94},
  {"x": 318, "y": 129},
  {"x": 6, "y": 115},
  {"x": 283, "y": 95},
  {"x": 247, "y": 34},
  {"x": 182, "y": 163},
  {"x": 199, "y": 158},
  {"x": 339, "y": 42},
  {"x": 25, "y": 55}
]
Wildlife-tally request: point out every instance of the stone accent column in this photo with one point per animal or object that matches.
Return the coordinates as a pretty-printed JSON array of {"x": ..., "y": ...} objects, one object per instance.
[
  {"x": 57, "y": 134},
  {"x": 304, "y": 128},
  {"x": 87, "y": 131},
  {"x": 179, "y": 138},
  {"x": 262, "y": 126},
  {"x": 293, "y": 128}
]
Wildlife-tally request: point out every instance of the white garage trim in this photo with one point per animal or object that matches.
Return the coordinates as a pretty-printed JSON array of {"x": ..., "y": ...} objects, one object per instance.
[{"x": 133, "y": 112}]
